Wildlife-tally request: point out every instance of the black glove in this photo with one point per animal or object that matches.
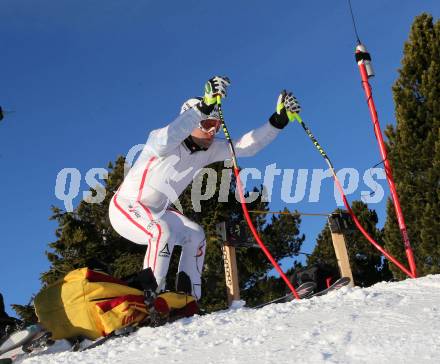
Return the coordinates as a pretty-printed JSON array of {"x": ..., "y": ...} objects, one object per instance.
[{"x": 287, "y": 107}]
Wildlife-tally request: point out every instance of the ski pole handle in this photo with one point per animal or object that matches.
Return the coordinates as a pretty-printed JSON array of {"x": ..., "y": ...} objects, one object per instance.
[{"x": 297, "y": 118}]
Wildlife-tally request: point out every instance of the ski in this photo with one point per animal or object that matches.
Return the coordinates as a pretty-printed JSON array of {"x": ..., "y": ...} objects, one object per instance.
[
  {"x": 23, "y": 342},
  {"x": 153, "y": 321},
  {"x": 41, "y": 340},
  {"x": 98, "y": 342},
  {"x": 11, "y": 355},
  {"x": 19, "y": 338},
  {"x": 341, "y": 282},
  {"x": 304, "y": 290}
]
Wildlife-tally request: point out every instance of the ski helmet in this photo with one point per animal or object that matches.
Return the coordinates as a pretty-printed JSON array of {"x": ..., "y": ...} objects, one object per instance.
[{"x": 190, "y": 103}]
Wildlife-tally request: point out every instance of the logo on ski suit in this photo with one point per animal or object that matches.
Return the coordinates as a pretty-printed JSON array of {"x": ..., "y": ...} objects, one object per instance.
[{"x": 165, "y": 252}]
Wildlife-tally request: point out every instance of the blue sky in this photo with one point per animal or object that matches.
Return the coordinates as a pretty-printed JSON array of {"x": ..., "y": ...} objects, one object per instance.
[{"x": 89, "y": 79}]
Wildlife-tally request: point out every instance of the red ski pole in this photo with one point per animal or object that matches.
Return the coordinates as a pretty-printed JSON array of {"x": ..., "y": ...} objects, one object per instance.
[
  {"x": 344, "y": 199},
  {"x": 245, "y": 209},
  {"x": 363, "y": 60}
]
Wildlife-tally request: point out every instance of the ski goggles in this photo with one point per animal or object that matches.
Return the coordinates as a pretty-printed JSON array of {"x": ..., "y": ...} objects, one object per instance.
[{"x": 210, "y": 126}]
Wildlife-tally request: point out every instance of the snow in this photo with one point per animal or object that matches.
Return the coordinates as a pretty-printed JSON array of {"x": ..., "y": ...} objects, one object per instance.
[{"x": 395, "y": 322}]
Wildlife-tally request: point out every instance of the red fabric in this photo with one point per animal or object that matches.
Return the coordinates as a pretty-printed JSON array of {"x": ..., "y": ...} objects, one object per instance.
[
  {"x": 161, "y": 305},
  {"x": 190, "y": 309},
  {"x": 93, "y": 276},
  {"x": 112, "y": 303}
]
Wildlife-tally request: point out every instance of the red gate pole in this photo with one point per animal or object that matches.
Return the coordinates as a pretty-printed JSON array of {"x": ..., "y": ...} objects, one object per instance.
[{"x": 363, "y": 60}]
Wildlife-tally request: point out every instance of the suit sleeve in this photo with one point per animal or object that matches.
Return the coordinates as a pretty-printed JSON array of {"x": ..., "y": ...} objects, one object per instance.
[
  {"x": 247, "y": 146},
  {"x": 161, "y": 141}
]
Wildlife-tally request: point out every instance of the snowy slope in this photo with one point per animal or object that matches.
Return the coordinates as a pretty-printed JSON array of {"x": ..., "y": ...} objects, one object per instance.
[{"x": 387, "y": 323}]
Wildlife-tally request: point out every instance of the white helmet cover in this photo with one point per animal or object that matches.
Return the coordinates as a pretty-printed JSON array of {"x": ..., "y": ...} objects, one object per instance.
[{"x": 190, "y": 103}]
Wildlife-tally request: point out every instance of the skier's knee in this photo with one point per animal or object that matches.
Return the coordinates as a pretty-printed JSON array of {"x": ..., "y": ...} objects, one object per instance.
[{"x": 160, "y": 230}]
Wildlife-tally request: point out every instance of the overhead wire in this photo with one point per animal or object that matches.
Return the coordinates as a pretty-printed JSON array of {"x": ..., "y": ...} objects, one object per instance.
[{"x": 354, "y": 22}]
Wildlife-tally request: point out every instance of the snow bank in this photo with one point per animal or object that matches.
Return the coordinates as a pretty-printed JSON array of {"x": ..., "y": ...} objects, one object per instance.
[{"x": 387, "y": 323}]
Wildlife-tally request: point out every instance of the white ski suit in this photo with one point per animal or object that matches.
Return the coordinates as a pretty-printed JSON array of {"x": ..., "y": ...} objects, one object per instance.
[{"x": 139, "y": 210}]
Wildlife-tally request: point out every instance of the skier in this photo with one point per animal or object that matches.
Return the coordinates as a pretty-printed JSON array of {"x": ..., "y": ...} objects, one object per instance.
[{"x": 139, "y": 211}]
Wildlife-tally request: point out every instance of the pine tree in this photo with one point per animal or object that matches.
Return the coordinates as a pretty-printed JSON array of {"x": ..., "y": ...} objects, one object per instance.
[
  {"x": 26, "y": 313},
  {"x": 414, "y": 148},
  {"x": 85, "y": 235},
  {"x": 366, "y": 262}
]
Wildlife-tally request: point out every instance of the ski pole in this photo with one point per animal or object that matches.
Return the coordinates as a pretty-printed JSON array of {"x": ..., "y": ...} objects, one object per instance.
[
  {"x": 347, "y": 205},
  {"x": 243, "y": 203}
]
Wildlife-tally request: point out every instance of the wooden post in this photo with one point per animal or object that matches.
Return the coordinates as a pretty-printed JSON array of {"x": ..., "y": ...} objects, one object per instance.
[
  {"x": 337, "y": 224},
  {"x": 230, "y": 264}
]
